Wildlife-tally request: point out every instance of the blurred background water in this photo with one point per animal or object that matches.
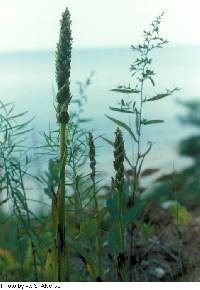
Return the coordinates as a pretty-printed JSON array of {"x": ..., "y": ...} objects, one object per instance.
[{"x": 28, "y": 80}]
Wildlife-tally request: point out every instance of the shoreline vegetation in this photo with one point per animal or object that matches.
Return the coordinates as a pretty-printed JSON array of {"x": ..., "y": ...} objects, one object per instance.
[{"x": 96, "y": 231}]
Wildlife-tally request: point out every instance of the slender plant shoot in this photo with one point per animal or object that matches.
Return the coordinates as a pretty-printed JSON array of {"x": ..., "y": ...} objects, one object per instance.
[{"x": 63, "y": 64}]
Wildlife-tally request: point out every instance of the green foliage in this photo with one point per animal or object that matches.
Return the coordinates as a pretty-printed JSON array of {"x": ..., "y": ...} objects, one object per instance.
[
  {"x": 190, "y": 147},
  {"x": 150, "y": 122},
  {"x": 143, "y": 74},
  {"x": 160, "y": 96},
  {"x": 125, "y": 90},
  {"x": 90, "y": 232},
  {"x": 123, "y": 125},
  {"x": 134, "y": 213},
  {"x": 192, "y": 116},
  {"x": 180, "y": 214},
  {"x": 146, "y": 231},
  {"x": 138, "y": 95}
]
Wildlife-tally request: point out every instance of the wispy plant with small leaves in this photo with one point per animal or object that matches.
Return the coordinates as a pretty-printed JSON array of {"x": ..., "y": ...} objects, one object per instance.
[
  {"x": 14, "y": 163},
  {"x": 143, "y": 74},
  {"x": 139, "y": 95}
]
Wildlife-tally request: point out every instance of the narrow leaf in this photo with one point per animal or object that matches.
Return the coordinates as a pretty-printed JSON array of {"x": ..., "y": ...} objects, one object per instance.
[
  {"x": 152, "y": 81},
  {"x": 145, "y": 122},
  {"x": 158, "y": 97},
  {"x": 121, "y": 110},
  {"x": 148, "y": 172},
  {"x": 108, "y": 141},
  {"x": 133, "y": 213},
  {"x": 123, "y": 125},
  {"x": 124, "y": 90},
  {"x": 4, "y": 201},
  {"x": 50, "y": 267},
  {"x": 137, "y": 122}
]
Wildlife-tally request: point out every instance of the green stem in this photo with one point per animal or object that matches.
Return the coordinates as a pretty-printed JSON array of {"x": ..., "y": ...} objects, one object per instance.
[
  {"x": 121, "y": 227},
  {"x": 63, "y": 259},
  {"x": 121, "y": 268},
  {"x": 98, "y": 234}
]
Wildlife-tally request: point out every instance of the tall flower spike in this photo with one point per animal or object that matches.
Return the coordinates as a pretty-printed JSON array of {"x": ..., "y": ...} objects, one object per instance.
[
  {"x": 92, "y": 156},
  {"x": 119, "y": 155},
  {"x": 63, "y": 61},
  {"x": 63, "y": 65}
]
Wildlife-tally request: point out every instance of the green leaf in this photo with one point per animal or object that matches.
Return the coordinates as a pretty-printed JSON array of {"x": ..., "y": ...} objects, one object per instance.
[
  {"x": 17, "y": 116},
  {"x": 4, "y": 201},
  {"x": 50, "y": 266},
  {"x": 145, "y": 122},
  {"x": 108, "y": 141},
  {"x": 134, "y": 212},
  {"x": 137, "y": 122},
  {"x": 121, "y": 110},
  {"x": 114, "y": 239},
  {"x": 150, "y": 144},
  {"x": 112, "y": 208},
  {"x": 149, "y": 171},
  {"x": 146, "y": 230},
  {"x": 85, "y": 120},
  {"x": 126, "y": 189},
  {"x": 125, "y": 90},
  {"x": 162, "y": 95},
  {"x": 158, "y": 97},
  {"x": 180, "y": 214},
  {"x": 152, "y": 81},
  {"x": 123, "y": 125}
]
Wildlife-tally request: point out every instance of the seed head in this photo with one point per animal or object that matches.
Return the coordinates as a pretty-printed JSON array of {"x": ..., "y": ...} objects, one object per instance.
[
  {"x": 63, "y": 67},
  {"x": 92, "y": 156},
  {"x": 119, "y": 155}
]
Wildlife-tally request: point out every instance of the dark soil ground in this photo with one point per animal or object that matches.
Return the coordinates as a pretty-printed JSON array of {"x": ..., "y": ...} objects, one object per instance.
[{"x": 180, "y": 245}]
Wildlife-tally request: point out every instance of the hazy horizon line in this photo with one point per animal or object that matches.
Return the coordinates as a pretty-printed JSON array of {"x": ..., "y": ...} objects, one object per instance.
[{"x": 83, "y": 48}]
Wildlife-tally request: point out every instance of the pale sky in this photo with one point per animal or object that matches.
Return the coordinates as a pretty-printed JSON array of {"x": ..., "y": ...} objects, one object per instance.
[{"x": 34, "y": 24}]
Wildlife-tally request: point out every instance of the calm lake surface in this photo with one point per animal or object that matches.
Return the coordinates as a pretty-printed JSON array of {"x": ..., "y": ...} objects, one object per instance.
[{"x": 28, "y": 79}]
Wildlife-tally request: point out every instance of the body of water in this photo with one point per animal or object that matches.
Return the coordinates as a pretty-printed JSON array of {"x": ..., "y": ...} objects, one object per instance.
[{"x": 28, "y": 79}]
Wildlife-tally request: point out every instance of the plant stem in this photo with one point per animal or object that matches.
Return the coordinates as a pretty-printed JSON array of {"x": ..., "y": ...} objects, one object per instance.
[
  {"x": 98, "y": 234},
  {"x": 121, "y": 227},
  {"x": 96, "y": 208},
  {"x": 63, "y": 262},
  {"x": 63, "y": 65}
]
